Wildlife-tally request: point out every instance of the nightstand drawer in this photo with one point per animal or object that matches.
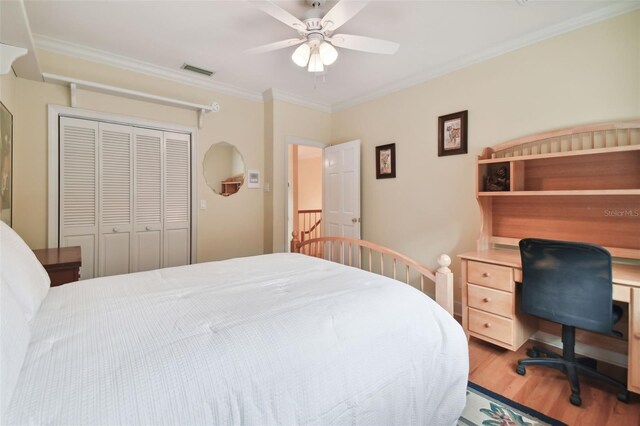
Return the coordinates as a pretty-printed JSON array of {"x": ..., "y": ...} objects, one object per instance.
[
  {"x": 490, "y": 325},
  {"x": 489, "y": 300},
  {"x": 488, "y": 275}
]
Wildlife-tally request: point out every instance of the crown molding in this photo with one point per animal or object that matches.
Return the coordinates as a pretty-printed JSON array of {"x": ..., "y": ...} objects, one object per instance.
[
  {"x": 100, "y": 56},
  {"x": 280, "y": 95},
  {"x": 608, "y": 12},
  {"x": 16, "y": 32},
  {"x": 95, "y": 55}
]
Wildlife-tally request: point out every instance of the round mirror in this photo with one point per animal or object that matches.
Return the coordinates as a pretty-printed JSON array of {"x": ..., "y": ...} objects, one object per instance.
[{"x": 223, "y": 169}]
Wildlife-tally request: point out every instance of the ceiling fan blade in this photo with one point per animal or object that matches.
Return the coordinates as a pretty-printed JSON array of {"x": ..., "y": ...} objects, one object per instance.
[
  {"x": 341, "y": 13},
  {"x": 275, "y": 46},
  {"x": 280, "y": 14},
  {"x": 364, "y": 44}
]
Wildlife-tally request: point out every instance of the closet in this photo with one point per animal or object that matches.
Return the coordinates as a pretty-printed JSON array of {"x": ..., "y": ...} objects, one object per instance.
[{"x": 124, "y": 196}]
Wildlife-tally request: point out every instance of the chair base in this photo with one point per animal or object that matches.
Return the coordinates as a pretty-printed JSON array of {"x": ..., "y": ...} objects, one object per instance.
[{"x": 572, "y": 368}]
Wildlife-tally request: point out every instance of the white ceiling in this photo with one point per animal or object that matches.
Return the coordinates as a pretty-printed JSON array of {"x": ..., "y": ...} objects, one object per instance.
[{"x": 434, "y": 36}]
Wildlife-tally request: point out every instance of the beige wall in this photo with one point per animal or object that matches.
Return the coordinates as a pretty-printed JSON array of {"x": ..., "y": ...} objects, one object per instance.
[
  {"x": 589, "y": 75},
  {"x": 229, "y": 227},
  {"x": 288, "y": 120},
  {"x": 310, "y": 184},
  {"x": 7, "y": 89}
]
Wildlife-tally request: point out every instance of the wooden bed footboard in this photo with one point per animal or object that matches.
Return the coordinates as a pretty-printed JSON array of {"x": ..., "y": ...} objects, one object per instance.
[{"x": 373, "y": 257}]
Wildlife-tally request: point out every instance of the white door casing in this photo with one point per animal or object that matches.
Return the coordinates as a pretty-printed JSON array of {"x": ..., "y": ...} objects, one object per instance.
[
  {"x": 97, "y": 169},
  {"x": 341, "y": 190},
  {"x": 293, "y": 140}
]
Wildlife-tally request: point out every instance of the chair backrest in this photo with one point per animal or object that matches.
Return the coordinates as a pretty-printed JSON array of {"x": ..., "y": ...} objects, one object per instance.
[{"x": 568, "y": 283}]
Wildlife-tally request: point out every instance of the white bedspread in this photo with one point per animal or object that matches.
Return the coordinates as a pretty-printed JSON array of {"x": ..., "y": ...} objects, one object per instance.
[{"x": 277, "y": 339}]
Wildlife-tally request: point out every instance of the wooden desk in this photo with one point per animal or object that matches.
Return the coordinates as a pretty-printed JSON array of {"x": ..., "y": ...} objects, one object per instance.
[
  {"x": 62, "y": 264},
  {"x": 490, "y": 303}
]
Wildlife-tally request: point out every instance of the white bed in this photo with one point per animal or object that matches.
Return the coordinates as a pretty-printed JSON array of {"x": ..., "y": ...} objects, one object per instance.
[{"x": 275, "y": 339}]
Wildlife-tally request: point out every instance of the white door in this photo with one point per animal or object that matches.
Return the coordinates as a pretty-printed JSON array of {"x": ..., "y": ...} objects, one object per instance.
[
  {"x": 341, "y": 190},
  {"x": 78, "y": 190},
  {"x": 147, "y": 206},
  {"x": 177, "y": 199},
  {"x": 116, "y": 194}
]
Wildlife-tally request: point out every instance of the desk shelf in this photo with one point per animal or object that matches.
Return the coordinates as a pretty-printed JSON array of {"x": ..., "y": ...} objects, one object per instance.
[
  {"x": 589, "y": 193},
  {"x": 569, "y": 193},
  {"x": 576, "y": 184}
]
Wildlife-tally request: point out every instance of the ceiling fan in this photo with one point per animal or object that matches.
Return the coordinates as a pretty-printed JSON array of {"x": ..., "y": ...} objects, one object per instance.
[{"x": 315, "y": 34}]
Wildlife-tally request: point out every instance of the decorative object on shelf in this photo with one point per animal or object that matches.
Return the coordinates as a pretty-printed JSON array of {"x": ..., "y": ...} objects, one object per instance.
[
  {"x": 386, "y": 161},
  {"x": 6, "y": 163},
  {"x": 254, "y": 179},
  {"x": 452, "y": 134},
  {"x": 498, "y": 178}
]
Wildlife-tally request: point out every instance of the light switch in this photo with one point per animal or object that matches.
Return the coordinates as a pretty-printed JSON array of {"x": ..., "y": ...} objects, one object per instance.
[{"x": 203, "y": 204}]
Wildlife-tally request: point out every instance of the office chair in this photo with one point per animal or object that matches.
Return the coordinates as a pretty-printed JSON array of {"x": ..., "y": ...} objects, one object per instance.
[{"x": 571, "y": 284}]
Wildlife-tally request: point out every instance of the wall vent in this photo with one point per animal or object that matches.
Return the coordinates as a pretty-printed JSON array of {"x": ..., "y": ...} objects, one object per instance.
[{"x": 198, "y": 70}]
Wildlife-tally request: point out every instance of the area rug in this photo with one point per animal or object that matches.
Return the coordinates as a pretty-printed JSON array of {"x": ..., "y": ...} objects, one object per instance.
[{"x": 490, "y": 409}]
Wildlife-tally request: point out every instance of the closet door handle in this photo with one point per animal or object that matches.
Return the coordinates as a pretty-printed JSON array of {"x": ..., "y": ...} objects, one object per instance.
[
  {"x": 116, "y": 229},
  {"x": 147, "y": 228}
]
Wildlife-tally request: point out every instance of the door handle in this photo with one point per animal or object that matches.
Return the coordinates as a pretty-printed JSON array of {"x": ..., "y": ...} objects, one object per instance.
[
  {"x": 147, "y": 228},
  {"x": 355, "y": 220},
  {"x": 115, "y": 229}
]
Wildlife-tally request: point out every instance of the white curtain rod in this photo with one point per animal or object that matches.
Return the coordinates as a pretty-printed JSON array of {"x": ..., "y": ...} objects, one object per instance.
[{"x": 75, "y": 84}]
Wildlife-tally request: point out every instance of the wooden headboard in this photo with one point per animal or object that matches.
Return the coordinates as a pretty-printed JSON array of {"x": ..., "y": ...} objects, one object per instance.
[{"x": 576, "y": 184}]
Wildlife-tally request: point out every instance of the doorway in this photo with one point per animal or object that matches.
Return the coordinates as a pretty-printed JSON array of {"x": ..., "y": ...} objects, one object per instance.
[{"x": 304, "y": 190}]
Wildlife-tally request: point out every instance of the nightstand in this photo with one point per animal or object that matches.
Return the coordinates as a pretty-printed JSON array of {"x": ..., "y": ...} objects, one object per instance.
[{"x": 62, "y": 264}]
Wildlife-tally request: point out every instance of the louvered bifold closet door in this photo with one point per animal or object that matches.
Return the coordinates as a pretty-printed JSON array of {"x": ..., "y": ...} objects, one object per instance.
[
  {"x": 78, "y": 191},
  {"x": 147, "y": 206},
  {"x": 177, "y": 199},
  {"x": 116, "y": 190}
]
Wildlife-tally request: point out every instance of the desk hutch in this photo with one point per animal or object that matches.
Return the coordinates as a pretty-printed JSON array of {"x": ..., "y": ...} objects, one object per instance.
[{"x": 576, "y": 184}]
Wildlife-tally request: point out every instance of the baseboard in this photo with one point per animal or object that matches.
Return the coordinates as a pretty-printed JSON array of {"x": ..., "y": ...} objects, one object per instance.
[{"x": 600, "y": 354}]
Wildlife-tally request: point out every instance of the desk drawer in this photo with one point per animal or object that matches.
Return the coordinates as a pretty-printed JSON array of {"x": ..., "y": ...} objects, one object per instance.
[
  {"x": 488, "y": 275},
  {"x": 490, "y": 325},
  {"x": 494, "y": 301}
]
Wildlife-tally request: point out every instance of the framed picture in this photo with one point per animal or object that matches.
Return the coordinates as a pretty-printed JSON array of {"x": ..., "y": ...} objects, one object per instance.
[
  {"x": 6, "y": 163},
  {"x": 452, "y": 134},
  {"x": 254, "y": 179},
  {"x": 386, "y": 161}
]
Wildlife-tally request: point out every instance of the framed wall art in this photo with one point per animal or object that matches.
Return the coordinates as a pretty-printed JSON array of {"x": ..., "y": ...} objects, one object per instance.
[
  {"x": 6, "y": 164},
  {"x": 452, "y": 134},
  {"x": 386, "y": 161}
]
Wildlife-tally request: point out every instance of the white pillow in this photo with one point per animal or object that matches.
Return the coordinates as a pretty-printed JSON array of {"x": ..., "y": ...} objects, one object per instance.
[
  {"x": 14, "y": 340},
  {"x": 22, "y": 272}
]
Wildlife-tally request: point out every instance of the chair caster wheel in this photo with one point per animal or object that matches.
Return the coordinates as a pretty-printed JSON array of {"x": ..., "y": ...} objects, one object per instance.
[
  {"x": 624, "y": 397},
  {"x": 521, "y": 370},
  {"x": 532, "y": 353},
  {"x": 575, "y": 400}
]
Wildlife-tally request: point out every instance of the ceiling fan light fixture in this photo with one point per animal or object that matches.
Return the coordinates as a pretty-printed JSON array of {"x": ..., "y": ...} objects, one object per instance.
[
  {"x": 328, "y": 53},
  {"x": 315, "y": 62},
  {"x": 301, "y": 55}
]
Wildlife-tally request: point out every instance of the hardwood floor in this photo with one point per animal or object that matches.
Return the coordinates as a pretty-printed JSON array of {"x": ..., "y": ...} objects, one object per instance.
[{"x": 547, "y": 390}]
